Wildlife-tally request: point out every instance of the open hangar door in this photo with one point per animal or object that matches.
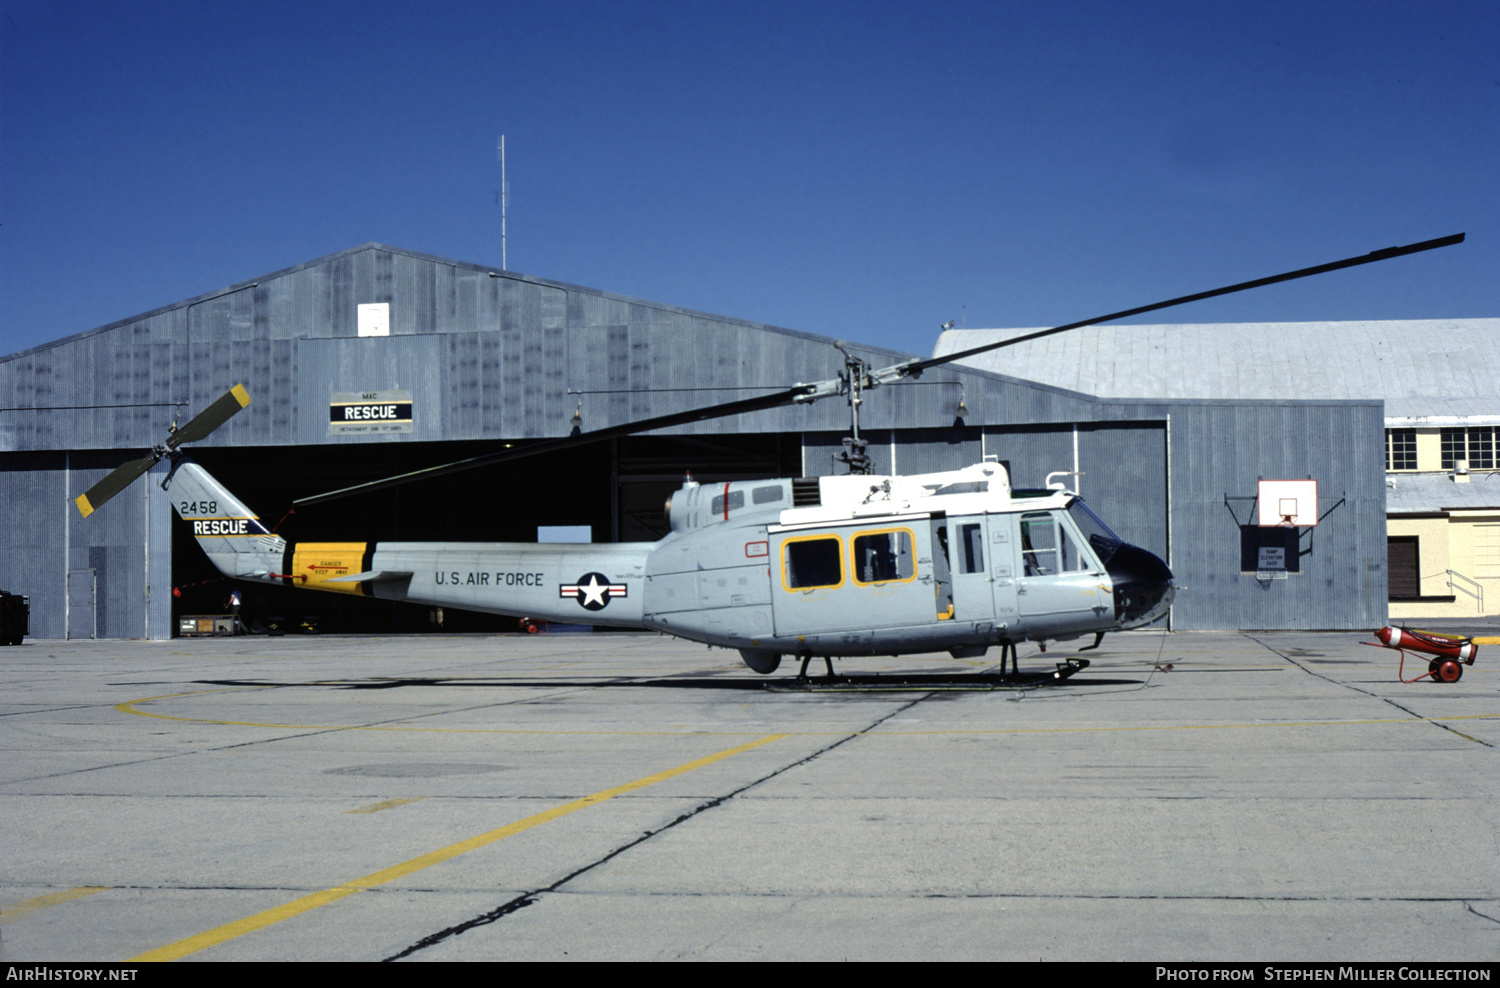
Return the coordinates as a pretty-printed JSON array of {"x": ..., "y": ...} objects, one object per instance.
[{"x": 616, "y": 488}]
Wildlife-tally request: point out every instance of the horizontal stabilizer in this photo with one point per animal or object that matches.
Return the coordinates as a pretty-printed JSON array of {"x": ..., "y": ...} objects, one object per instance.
[{"x": 374, "y": 576}]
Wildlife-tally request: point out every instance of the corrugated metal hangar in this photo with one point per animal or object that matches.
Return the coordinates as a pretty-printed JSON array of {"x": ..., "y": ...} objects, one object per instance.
[
  {"x": 1442, "y": 417},
  {"x": 490, "y": 357}
]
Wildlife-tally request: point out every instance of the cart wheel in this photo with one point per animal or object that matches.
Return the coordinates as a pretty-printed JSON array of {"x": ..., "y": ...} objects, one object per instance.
[
  {"x": 1432, "y": 668},
  {"x": 1450, "y": 671},
  {"x": 531, "y": 629}
]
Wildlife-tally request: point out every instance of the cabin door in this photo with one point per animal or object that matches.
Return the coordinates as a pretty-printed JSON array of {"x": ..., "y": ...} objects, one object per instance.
[
  {"x": 969, "y": 558},
  {"x": 1003, "y": 569}
]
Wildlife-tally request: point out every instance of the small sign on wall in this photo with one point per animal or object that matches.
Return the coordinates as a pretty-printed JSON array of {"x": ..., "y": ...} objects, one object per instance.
[
  {"x": 1275, "y": 550},
  {"x": 368, "y": 413},
  {"x": 375, "y": 319},
  {"x": 1270, "y": 558}
]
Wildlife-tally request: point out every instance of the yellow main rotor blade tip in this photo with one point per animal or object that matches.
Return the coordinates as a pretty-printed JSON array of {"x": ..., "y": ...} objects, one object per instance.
[
  {"x": 84, "y": 507},
  {"x": 240, "y": 395}
]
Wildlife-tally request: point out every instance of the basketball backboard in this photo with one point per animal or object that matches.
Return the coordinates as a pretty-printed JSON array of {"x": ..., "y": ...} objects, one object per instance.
[{"x": 1287, "y": 503}]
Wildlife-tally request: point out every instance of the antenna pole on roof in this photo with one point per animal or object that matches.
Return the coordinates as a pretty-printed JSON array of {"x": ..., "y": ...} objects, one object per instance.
[{"x": 504, "y": 198}]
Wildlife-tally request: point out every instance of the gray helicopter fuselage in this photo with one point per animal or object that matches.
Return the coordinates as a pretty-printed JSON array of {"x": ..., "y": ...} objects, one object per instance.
[
  {"x": 835, "y": 566},
  {"x": 890, "y": 565}
]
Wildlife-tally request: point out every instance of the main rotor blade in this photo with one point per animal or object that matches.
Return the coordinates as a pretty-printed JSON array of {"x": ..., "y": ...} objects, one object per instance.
[
  {"x": 224, "y": 408},
  {"x": 741, "y": 407},
  {"x": 808, "y": 392},
  {"x": 114, "y": 482},
  {"x": 918, "y": 366}
]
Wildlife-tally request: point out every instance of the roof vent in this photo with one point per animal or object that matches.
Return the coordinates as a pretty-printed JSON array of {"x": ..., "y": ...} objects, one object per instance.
[{"x": 806, "y": 493}]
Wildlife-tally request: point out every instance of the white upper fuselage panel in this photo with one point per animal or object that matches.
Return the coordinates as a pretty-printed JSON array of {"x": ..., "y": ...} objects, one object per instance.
[{"x": 979, "y": 489}]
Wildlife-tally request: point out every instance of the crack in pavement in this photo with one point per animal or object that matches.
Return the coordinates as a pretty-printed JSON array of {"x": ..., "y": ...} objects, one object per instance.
[
  {"x": 1376, "y": 696},
  {"x": 522, "y": 901},
  {"x": 1481, "y": 915}
]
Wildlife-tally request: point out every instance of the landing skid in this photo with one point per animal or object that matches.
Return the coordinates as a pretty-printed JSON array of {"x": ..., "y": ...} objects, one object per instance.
[{"x": 982, "y": 682}]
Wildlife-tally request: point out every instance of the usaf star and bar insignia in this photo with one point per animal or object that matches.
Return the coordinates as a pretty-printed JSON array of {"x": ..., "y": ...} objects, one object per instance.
[{"x": 593, "y": 591}]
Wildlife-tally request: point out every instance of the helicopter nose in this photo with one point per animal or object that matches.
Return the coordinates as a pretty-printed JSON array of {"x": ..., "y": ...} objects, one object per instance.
[{"x": 1142, "y": 584}]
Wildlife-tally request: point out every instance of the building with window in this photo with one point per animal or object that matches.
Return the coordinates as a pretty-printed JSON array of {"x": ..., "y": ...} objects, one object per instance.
[
  {"x": 1443, "y": 517},
  {"x": 1439, "y": 380}
]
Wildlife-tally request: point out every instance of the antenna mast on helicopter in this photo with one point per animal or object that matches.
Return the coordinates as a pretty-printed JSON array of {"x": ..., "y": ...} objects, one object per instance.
[{"x": 853, "y": 384}]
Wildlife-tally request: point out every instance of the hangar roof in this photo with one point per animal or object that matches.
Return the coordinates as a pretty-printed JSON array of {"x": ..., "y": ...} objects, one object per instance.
[
  {"x": 1429, "y": 371},
  {"x": 374, "y": 247},
  {"x": 482, "y": 353},
  {"x": 1407, "y": 493}
]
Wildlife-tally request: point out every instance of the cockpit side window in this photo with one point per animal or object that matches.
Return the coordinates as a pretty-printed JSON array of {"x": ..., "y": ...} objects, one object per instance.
[
  {"x": 1039, "y": 544},
  {"x": 1071, "y": 557},
  {"x": 1048, "y": 548}
]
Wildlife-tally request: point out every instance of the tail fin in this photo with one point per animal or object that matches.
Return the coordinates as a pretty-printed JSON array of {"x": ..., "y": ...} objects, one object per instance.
[{"x": 229, "y": 532}]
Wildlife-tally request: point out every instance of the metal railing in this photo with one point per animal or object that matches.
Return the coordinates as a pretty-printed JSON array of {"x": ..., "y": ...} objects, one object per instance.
[{"x": 1477, "y": 593}]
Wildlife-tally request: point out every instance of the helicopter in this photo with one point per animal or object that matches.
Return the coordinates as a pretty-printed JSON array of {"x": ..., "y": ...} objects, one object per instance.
[{"x": 833, "y": 566}]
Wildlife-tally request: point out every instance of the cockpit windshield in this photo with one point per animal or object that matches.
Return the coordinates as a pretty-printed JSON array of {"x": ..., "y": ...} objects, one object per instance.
[{"x": 1104, "y": 541}]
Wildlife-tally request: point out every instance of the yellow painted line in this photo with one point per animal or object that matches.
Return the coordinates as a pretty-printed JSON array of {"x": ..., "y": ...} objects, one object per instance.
[
  {"x": 1487, "y": 640},
  {"x": 16, "y": 910},
  {"x": 389, "y": 804},
  {"x": 297, "y": 907},
  {"x": 128, "y": 707}
]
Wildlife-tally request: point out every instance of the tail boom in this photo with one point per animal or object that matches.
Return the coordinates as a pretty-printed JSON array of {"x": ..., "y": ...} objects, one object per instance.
[{"x": 578, "y": 584}]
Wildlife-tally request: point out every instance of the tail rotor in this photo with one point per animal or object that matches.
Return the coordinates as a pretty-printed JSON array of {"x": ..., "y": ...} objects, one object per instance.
[{"x": 201, "y": 426}]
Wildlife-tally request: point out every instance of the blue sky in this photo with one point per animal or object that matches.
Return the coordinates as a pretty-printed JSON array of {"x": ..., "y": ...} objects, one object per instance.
[{"x": 860, "y": 170}]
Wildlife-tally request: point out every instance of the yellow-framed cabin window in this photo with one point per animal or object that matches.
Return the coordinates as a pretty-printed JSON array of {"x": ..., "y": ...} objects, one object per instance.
[
  {"x": 883, "y": 556},
  {"x": 810, "y": 562}
]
